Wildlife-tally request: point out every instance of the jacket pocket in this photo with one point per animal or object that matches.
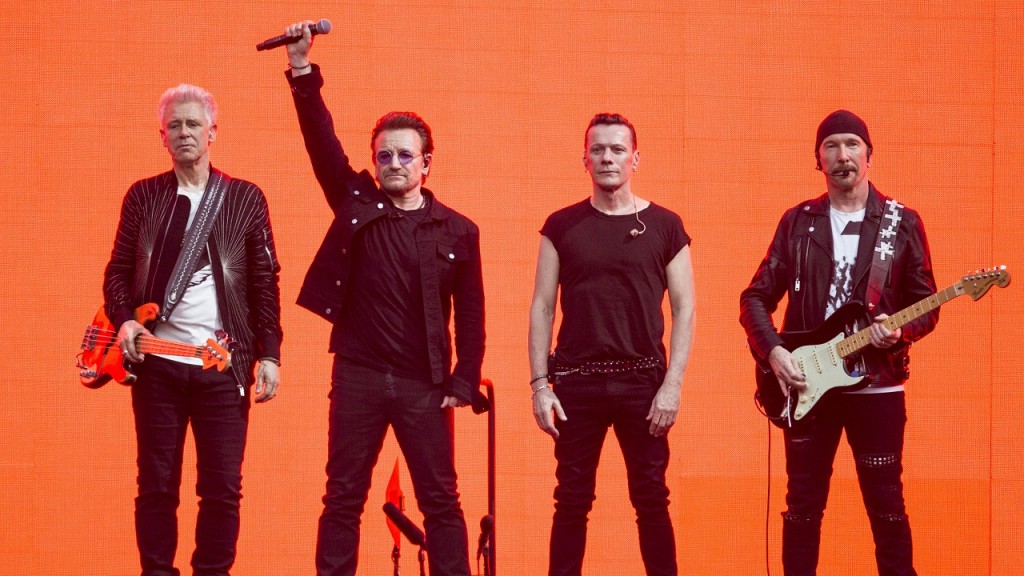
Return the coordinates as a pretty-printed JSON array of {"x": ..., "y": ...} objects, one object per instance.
[
  {"x": 450, "y": 258},
  {"x": 452, "y": 252}
]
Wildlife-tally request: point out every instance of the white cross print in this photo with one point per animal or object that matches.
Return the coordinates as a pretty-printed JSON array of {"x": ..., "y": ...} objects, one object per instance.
[
  {"x": 885, "y": 250},
  {"x": 893, "y": 213},
  {"x": 888, "y": 232}
]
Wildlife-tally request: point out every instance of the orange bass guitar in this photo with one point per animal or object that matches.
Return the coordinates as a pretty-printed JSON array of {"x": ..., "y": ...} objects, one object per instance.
[{"x": 102, "y": 361}]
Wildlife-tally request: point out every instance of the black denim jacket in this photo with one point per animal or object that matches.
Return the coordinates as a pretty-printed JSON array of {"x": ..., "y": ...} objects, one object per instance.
[{"x": 448, "y": 245}]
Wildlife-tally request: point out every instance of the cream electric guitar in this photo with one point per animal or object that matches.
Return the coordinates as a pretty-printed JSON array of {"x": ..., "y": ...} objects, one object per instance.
[{"x": 826, "y": 354}]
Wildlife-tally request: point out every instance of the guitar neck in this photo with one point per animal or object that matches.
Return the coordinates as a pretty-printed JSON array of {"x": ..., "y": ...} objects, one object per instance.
[
  {"x": 860, "y": 340},
  {"x": 154, "y": 345}
]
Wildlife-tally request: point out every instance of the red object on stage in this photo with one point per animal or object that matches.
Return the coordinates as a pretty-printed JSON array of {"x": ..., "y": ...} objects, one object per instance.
[{"x": 394, "y": 495}]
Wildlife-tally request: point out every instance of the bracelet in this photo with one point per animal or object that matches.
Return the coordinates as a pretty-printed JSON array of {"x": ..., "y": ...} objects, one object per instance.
[
  {"x": 308, "y": 64},
  {"x": 269, "y": 359},
  {"x": 541, "y": 377},
  {"x": 539, "y": 388}
]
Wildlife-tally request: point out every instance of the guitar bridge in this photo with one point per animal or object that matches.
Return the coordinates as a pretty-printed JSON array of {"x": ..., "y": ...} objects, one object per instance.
[{"x": 86, "y": 371}]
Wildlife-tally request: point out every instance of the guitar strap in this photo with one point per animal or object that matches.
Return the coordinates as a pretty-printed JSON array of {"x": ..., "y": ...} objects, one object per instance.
[
  {"x": 194, "y": 242},
  {"x": 885, "y": 250}
]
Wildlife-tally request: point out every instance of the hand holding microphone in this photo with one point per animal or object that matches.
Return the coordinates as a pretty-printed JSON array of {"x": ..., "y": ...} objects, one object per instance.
[
  {"x": 298, "y": 38},
  {"x": 296, "y": 33}
]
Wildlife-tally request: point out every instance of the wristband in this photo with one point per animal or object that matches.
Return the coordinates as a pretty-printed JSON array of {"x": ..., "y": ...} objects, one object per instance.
[{"x": 539, "y": 388}]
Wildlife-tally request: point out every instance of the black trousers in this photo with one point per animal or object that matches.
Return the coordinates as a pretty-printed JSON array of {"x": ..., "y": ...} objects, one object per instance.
[
  {"x": 167, "y": 397},
  {"x": 592, "y": 404},
  {"x": 874, "y": 425},
  {"x": 364, "y": 403}
]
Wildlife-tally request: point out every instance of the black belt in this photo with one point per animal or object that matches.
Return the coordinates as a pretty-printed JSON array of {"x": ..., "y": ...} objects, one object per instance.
[{"x": 557, "y": 368}]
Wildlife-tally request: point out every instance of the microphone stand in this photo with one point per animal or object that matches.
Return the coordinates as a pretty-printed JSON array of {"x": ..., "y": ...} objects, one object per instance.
[
  {"x": 485, "y": 551},
  {"x": 485, "y": 544},
  {"x": 488, "y": 550}
]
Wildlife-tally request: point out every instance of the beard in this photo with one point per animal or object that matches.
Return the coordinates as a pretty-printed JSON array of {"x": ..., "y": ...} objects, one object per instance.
[{"x": 397, "y": 183}]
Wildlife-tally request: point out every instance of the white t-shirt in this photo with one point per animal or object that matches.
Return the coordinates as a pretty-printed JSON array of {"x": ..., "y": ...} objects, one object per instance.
[
  {"x": 196, "y": 317},
  {"x": 846, "y": 227},
  {"x": 845, "y": 239}
]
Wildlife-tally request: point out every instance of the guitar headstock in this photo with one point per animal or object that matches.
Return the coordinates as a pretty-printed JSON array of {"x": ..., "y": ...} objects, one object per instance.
[
  {"x": 978, "y": 283},
  {"x": 215, "y": 353}
]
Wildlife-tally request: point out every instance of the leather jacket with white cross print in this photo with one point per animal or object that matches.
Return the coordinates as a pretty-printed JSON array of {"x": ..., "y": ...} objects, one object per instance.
[{"x": 799, "y": 265}]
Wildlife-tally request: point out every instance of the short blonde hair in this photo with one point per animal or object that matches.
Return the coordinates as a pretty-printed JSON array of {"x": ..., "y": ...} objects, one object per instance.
[{"x": 187, "y": 93}]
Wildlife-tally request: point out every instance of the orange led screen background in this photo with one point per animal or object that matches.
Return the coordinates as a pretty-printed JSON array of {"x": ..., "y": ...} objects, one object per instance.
[{"x": 725, "y": 96}]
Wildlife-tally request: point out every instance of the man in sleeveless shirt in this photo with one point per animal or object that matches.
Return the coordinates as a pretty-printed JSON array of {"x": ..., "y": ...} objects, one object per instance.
[
  {"x": 820, "y": 258},
  {"x": 614, "y": 256}
]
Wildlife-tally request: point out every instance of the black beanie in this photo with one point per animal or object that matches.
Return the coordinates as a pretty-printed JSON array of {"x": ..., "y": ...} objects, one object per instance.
[{"x": 841, "y": 122}]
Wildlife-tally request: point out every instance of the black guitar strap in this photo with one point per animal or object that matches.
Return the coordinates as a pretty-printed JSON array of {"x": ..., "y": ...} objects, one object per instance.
[
  {"x": 885, "y": 250},
  {"x": 195, "y": 240}
]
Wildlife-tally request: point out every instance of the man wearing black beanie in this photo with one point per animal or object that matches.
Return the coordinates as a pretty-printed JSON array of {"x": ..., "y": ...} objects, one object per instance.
[{"x": 850, "y": 245}]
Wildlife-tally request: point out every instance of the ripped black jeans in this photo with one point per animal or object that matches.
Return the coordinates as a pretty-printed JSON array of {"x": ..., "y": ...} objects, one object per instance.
[{"x": 874, "y": 425}]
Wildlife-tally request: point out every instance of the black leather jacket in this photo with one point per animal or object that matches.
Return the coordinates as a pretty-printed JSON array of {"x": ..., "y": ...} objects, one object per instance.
[
  {"x": 799, "y": 265},
  {"x": 242, "y": 257},
  {"x": 448, "y": 245}
]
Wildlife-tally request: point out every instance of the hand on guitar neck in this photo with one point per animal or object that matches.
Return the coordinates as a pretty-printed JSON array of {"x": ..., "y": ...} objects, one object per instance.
[
  {"x": 880, "y": 334},
  {"x": 810, "y": 364}
]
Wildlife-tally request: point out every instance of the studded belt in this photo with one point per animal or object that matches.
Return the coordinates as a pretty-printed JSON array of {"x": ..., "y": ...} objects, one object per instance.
[{"x": 557, "y": 368}]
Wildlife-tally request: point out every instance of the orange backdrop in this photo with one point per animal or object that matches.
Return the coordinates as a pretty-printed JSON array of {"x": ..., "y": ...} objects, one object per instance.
[{"x": 726, "y": 96}]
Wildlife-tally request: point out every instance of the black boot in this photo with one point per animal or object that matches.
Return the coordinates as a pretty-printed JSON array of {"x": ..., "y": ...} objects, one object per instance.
[{"x": 801, "y": 537}]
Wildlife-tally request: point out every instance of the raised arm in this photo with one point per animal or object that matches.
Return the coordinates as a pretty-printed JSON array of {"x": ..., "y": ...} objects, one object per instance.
[{"x": 330, "y": 163}]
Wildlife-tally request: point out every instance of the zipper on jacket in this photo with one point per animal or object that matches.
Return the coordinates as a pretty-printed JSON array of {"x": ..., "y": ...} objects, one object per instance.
[{"x": 799, "y": 243}]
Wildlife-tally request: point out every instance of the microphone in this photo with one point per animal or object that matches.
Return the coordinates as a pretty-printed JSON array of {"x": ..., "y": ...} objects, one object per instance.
[
  {"x": 405, "y": 526},
  {"x": 634, "y": 232},
  {"x": 321, "y": 27},
  {"x": 636, "y": 214},
  {"x": 486, "y": 527}
]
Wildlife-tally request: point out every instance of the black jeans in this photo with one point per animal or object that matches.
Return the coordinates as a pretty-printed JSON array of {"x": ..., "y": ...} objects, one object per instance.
[
  {"x": 364, "y": 402},
  {"x": 167, "y": 397},
  {"x": 592, "y": 404},
  {"x": 874, "y": 425}
]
